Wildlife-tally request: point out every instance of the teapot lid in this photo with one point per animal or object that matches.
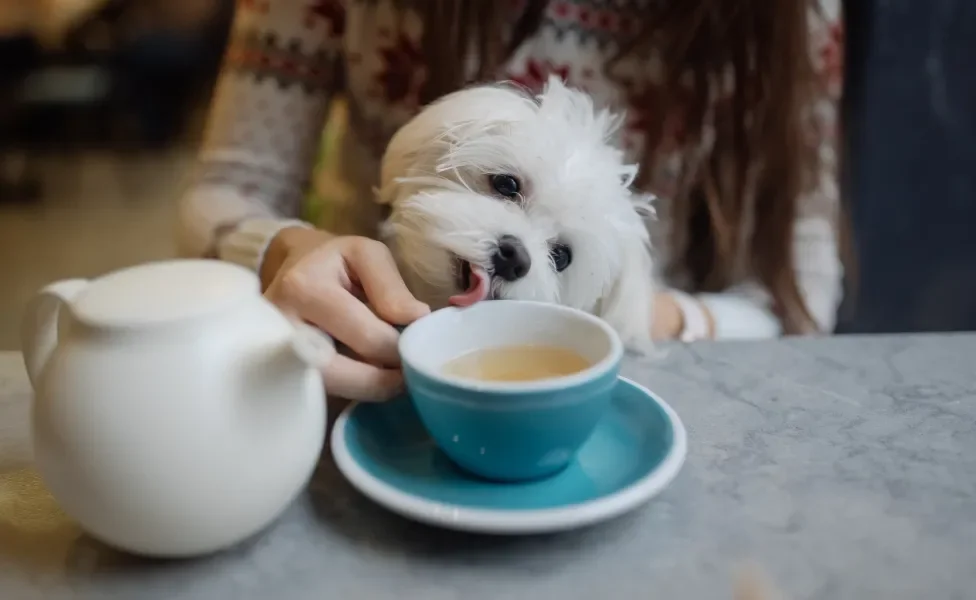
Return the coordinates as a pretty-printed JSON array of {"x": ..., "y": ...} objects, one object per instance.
[{"x": 165, "y": 291}]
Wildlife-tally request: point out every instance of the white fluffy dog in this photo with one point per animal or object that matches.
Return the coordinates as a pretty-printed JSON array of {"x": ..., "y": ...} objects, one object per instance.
[{"x": 498, "y": 194}]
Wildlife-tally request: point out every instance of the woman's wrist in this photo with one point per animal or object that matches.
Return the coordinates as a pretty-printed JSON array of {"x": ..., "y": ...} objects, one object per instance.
[
  {"x": 247, "y": 242},
  {"x": 282, "y": 244}
]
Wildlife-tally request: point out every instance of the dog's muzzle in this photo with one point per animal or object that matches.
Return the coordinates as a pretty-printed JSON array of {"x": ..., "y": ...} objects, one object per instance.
[{"x": 511, "y": 260}]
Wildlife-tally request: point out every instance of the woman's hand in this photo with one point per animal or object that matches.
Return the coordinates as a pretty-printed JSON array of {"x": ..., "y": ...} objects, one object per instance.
[
  {"x": 327, "y": 281},
  {"x": 668, "y": 320}
]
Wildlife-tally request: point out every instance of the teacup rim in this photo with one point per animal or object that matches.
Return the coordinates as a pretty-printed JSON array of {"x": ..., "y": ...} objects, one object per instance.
[{"x": 595, "y": 371}]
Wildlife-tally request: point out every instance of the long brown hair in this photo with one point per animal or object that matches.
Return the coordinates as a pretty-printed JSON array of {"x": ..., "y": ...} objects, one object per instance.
[{"x": 759, "y": 165}]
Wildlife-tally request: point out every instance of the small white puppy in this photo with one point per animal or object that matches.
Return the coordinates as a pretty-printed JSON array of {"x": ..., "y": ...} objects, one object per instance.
[{"x": 498, "y": 194}]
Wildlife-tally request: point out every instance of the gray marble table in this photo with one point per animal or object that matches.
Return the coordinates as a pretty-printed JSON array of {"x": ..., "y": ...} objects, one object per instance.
[{"x": 843, "y": 468}]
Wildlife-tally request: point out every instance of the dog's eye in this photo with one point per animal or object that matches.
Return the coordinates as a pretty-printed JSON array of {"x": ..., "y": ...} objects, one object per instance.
[
  {"x": 561, "y": 255},
  {"x": 505, "y": 185}
]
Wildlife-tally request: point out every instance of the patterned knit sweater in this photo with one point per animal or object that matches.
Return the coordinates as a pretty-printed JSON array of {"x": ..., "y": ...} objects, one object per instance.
[{"x": 282, "y": 72}]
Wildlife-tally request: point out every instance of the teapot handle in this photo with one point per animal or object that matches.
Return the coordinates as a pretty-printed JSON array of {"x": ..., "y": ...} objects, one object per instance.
[{"x": 39, "y": 328}]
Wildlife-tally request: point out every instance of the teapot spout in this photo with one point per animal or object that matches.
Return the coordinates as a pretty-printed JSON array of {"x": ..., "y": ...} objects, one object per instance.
[
  {"x": 312, "y": 347},
  {"x": 288, "y": 363}
]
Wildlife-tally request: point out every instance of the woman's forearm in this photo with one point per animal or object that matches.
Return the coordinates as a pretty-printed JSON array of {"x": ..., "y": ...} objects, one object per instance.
[{"x": 266, "y": 118}]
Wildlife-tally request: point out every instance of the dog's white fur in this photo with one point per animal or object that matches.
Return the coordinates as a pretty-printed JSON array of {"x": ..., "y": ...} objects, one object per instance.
[{"x": 575, "y": 189}]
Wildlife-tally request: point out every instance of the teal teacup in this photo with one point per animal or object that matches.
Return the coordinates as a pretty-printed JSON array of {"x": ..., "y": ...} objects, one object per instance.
[{"x": 510, "y": 430}]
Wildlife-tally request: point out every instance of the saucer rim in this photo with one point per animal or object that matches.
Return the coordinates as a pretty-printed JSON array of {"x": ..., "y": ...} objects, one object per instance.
[{"x": 518, "y": 521}]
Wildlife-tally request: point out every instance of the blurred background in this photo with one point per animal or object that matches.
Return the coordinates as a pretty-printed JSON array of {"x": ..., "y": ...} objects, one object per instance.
[{"x": 102, "y": 103}]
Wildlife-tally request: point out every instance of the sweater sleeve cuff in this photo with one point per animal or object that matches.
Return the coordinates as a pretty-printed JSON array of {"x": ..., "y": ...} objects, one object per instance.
[
  {"x": 738, "y": 318},
  {"x": 247, "y": 243}
]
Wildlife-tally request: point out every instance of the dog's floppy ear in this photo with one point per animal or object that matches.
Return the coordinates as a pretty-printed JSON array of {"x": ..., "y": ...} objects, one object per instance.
[{"x": 629, "y": 304}]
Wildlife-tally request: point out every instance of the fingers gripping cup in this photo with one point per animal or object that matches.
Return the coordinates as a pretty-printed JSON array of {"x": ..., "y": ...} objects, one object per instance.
[{"x": 510, "y": 390}]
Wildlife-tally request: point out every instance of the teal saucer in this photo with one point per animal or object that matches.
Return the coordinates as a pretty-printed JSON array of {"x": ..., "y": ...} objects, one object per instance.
[{"x": 634, "y": 453}]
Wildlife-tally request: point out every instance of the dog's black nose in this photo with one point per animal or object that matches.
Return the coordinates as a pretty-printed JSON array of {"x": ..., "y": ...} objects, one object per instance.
[{"x": 511, "y": 260}]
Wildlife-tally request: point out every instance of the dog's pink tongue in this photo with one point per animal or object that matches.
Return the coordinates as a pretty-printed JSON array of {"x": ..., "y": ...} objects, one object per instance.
[{"x": 476, "y": 292}]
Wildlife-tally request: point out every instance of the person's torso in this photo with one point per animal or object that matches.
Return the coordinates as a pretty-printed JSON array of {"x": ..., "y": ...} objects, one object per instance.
[{"x": 578, "y": 40}]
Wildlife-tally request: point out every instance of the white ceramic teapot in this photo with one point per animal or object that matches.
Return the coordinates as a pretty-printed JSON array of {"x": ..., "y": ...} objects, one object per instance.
[{"x": 176, "y": 411}]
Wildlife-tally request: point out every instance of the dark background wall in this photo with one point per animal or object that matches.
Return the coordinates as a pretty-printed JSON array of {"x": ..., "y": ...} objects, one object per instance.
[{"x": 911, "y": 156}]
